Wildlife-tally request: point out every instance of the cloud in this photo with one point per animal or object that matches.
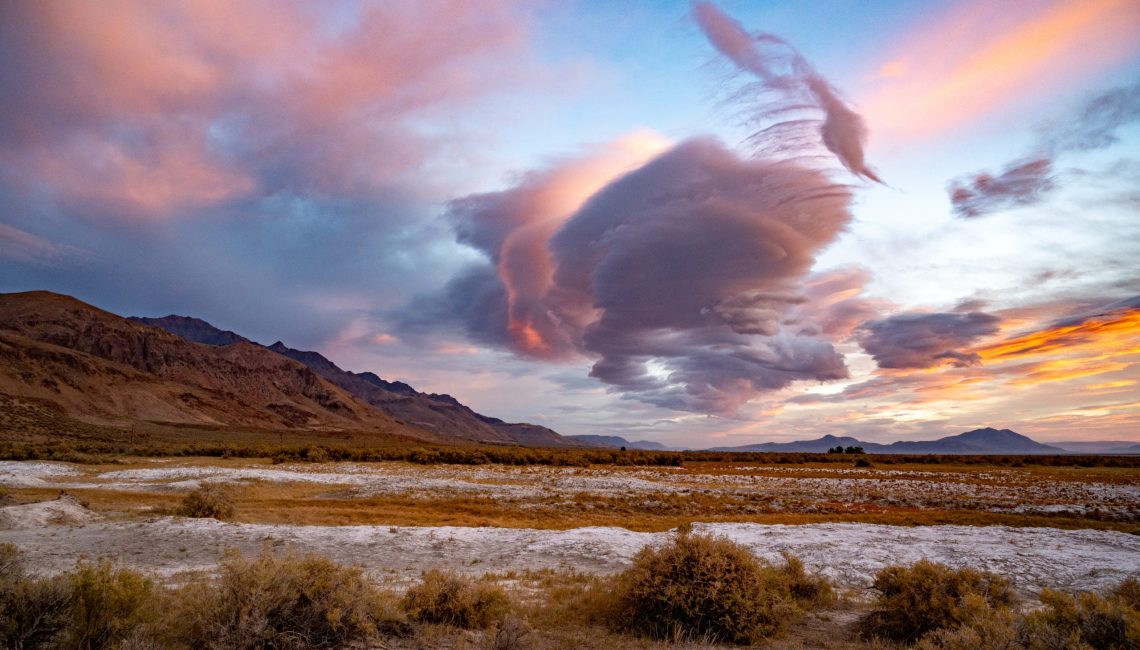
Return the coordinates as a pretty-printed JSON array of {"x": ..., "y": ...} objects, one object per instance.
[
  {"x": 1094, "y": 125},
  {"x": 683, "y": 272},
  {"x": 1027, "y": 181},
  {"x": 264, "y": 165},
  {"x": 512, "y": 228},
  {"x": 679, "y": 274},
  {"x": 779, "y": 67},
  {"x": 20, "y": 246},
  {"x": 147, "y": 110},
  {"x": 927, "y": 340},
  {"x": 978, "y": 58},
  {"x": 1110, "y": 329},
  {"x": 1021, "y": 183}
]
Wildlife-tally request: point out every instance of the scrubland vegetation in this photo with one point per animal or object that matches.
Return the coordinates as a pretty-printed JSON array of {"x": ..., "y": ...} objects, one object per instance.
[
  {"x": 347, "y": 449},
  {"x": 696, "y": 589}
]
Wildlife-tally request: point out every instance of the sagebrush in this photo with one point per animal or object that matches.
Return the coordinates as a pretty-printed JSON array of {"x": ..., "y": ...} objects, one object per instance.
[
  {"x": 926, "y": 596},
  {"x": 710, "y": 588},
  {"x": 452, "y": 599}
]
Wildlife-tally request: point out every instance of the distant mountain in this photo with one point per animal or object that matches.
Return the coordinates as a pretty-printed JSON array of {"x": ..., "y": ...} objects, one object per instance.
[
  {"x": 192, "y": 329},
  {"x": 978, "y": 441},
  {"x": 817, "y": 446},
  {"x": 438, "y": 413},
  {"x": 1100, "y": 446},
  {"x": 617, "y": 442},
  {"x": 65, "y": 358}
]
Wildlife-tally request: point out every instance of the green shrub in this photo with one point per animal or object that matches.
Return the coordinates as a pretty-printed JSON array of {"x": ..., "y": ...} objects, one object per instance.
[
  {"x": 451, "y": 599},
  {"x": 926, "y": 596},
  {"x": 1084, "y": 621},
  {"x": 710, "y": 588},
  {"x": 281, "y": 602},
  {"x": 106, "y": 605},
  {"x": 32, "y": 610},
  {"x": 207, "y": 501}
]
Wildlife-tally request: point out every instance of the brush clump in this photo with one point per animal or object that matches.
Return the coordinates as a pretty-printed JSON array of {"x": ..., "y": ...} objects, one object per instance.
[
  {"x": 451, "y": 599},
  {"x": 709, "y": 588},
  {"x": 914, "y": 600}
]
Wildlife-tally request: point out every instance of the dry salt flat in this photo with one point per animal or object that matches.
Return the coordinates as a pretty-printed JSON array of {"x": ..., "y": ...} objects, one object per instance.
[
  {"x": 849, "y": 554},
  {"x": 55, "y": 534},
  {"x": 999, "y": 491}
]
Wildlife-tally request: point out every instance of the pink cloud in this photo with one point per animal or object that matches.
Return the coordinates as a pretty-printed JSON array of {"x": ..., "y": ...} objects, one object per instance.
[
  {"x": 982, "y": 57},
  {"x": 143, "y": 109}
]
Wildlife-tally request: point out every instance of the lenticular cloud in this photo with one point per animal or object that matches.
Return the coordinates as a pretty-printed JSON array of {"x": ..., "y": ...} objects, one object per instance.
[{"x": 682, "y": 272}]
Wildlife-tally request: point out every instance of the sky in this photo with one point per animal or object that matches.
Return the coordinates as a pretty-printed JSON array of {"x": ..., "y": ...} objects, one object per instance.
[{"x": 699, "y": 224}]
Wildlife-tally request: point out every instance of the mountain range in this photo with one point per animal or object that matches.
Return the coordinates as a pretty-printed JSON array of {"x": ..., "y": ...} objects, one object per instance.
[
  {"x": 617, "y": 442},
  {"x": 978, "y": 441},
  {"x": 64, "y": 361},
  {"x": 59, "y": 354},
  {"x": 439, "y": 413}
]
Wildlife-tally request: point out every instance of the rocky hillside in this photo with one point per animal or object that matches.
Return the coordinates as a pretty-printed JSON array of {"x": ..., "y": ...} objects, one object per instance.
[
  {"x": 104, "y": 369},
  {"x": 438, "y": 413}
]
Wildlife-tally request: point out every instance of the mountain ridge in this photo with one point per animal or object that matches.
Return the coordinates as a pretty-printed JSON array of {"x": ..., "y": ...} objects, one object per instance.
[
  {"x": 440, "y": 413},
  {"x": 617, "y": 442},
  {"x": 978, "y": 441},
  {"x": 104, "y": 369}
]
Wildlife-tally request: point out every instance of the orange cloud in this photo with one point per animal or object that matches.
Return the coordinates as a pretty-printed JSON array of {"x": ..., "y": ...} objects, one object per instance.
[
  {"x": 985, "y": 56},
  {"x": 1117, "y": 334}
]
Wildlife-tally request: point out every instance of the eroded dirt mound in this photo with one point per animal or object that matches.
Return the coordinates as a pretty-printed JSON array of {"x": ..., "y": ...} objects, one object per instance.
[{"x": 66, "y": 510}]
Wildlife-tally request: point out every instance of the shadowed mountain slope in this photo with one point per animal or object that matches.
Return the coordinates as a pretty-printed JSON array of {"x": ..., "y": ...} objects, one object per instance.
[
  {"x": 617, "y": 442},
  {"x": 104, "y": 369},
  {"x": 438, "y": 413}
]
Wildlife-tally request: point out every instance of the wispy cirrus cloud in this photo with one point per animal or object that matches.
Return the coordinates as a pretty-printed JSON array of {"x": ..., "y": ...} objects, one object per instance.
[
  {"x": 979, "y": 57},
  {"x": 779, "y": 68}
]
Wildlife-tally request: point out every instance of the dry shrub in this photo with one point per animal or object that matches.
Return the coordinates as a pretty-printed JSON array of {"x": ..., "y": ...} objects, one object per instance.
[
  {"x": 926, "y": 596},
  {"x": 207, "y": 501},
  {"x": 1084, "y": 621},
  {"x": 510, "y": 634},
  {"x": 32, "y": 610},
  {"x": 701, "y": 587},
  {"x": 451, "y": 599},
  {"x": 1127, "y": 593},
  {"x": 988, "y": 629},
  {"x": 282, "y": 602},
  {"x": 94, "y": 606},
  {"x": 106, "y": 606}
]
